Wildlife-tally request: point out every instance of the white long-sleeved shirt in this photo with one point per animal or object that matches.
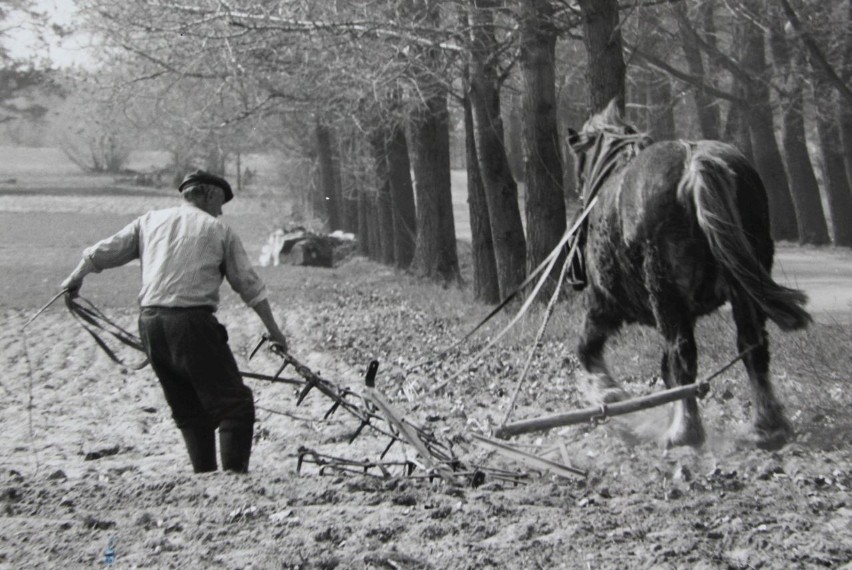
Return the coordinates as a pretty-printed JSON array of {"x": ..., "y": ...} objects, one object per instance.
[{"x": 185, "y": 253}]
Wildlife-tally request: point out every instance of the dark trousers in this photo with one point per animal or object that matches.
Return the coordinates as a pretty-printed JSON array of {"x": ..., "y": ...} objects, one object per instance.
[{"x": 189, "y": 352}]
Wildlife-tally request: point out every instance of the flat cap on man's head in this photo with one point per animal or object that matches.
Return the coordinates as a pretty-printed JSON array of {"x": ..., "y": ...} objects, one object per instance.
[{"x": 202, "y": 177}]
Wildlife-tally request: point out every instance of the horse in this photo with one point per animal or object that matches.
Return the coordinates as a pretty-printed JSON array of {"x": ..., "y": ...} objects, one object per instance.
[{"x": 678, "y": 229}]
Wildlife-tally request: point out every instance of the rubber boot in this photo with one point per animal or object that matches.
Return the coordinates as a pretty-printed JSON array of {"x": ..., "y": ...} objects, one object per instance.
[
  {"x": 235, "y": 447},
  {"x": 201, "y": 444}
]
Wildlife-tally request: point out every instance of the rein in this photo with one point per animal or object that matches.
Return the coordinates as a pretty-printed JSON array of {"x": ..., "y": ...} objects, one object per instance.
[
  {"x": 604, "y": 165},
  {"x": 93, "y": 320},
  {"x": 601, "y": 170}
]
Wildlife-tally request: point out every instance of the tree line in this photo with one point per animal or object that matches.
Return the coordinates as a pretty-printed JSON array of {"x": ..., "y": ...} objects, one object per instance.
[{"x": 369, "y": 92}]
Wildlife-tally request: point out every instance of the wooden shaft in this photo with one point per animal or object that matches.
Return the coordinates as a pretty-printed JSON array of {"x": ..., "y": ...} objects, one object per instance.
[{"x": 600, "y": 412}]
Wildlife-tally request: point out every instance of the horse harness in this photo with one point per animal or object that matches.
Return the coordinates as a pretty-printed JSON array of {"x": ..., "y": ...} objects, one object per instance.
[{"x": 605, "y": 158}]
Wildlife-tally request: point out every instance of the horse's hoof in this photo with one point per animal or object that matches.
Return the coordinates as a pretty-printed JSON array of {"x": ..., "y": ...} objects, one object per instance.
[
  {"x": 772, "y": 438},
  {"x": 601, "y": 389},
  {"x": 692, "y": 436}
]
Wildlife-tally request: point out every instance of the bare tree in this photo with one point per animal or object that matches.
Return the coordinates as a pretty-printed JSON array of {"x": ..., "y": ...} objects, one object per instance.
[
  {"x": 501, "y": 213},
  {"x": 606, "y": 69},
  {"x": 810, "y": 217},
  {"x": 545, "y": 202},
  {"x": 706, "y": 106}
]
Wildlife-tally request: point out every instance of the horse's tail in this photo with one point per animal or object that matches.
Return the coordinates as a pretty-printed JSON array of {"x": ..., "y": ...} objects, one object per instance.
[{"x": 710, "y": 184}]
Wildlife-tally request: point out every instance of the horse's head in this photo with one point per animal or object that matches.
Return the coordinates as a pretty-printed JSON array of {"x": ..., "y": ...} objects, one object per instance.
[{"x": 602, "y": 139}]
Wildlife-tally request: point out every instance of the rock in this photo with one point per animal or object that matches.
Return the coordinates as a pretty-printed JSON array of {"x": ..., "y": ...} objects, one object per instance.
[{"x": 57, "y": 475}]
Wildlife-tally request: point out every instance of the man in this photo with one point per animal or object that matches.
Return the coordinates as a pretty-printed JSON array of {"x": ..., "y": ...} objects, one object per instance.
[{"x": 185, "y": 252}]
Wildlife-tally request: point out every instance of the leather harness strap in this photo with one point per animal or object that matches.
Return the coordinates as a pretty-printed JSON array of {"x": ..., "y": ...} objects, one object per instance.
[{"x": 93, "y": 320}]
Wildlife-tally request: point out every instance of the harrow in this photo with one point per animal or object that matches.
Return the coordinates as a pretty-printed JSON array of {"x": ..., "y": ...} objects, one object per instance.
[{"x": 435, "y": 457}]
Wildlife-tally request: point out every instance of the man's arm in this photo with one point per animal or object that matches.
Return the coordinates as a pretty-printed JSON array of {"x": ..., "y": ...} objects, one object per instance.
[
  {"x": 264, "y": 311},
  {"x": 111, "y": 252},
  {"x": 75, "y": 280}
]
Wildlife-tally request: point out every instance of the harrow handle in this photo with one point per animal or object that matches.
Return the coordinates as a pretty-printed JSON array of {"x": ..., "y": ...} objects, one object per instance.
[
  {"x": 370, "y": 377},
  {"x": 273, "y": 346}
]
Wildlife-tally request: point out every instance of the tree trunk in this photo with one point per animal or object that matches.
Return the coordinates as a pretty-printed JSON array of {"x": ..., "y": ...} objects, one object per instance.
[
  {"x": 706, "y": 106},
  {"x": 654, "y": 92},
  {"x": 485, "y": 283},
  {"x": 327, "y": 177},
  {"x": 347, "y": 198},
  {"x": 501, "y": 193},
  {"x": 810, "y": 217},
  {"x": 384, "y": 213},
  {"x": 402, "y": 198},
  {"x": 545, "y": 202},
  {"x": 513, "y": 137},
  {"x": 350, "y": 210},
  {"x": 364, "y": 224},
  {"x": 214, "y": 159},
  {"x": 837, "y": 185},
  {"x": 758, "y": 114},
  {"x": 606, "y": 69},
  {"x": 736, "y": 130},
  {"x": 571, "y": 113},
  {"x": 435, "y": 254},
  {"x": 844, "y": 109},
  {"x": 373, "y": 226},
  {"x": 239, "y": 173}
]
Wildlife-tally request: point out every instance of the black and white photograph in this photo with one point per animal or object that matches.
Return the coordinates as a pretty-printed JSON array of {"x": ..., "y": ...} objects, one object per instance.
[{"x": 426, "y": 284}]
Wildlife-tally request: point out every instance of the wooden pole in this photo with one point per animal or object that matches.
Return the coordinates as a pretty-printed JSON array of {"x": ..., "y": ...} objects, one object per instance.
[
  {"x": 604, "y": 411},
  {"x": 698, "y": 390}
]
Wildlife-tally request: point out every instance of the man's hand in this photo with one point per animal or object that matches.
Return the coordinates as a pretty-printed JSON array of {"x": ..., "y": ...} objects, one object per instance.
[
  {"x": 278, "y": 343},
  {"x": 274, "y": 333},
  {"x": 73, "y": 282}
]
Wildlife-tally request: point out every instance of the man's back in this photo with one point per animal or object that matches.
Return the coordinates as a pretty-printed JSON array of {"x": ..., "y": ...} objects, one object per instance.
[{"x": 182, "y": 251}]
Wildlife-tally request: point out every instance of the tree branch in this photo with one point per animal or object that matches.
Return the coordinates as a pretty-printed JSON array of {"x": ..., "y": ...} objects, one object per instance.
[
  {"x": 817, "y": 55},
  {"x": 278, "y": 23},
  {"x": 693, "y": 80}
]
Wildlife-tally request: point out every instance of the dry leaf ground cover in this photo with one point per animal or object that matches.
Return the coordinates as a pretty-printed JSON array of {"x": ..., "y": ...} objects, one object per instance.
[{"x": 92, "y": 469}]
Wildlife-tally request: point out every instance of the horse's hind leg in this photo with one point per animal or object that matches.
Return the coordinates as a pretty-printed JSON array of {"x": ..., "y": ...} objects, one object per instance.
[
  {"x": 771, "y": 428},
  {"x": 679, "y": 368},
  {"x": 680, "y": 358},
  {"x": 598, "y": 325}
]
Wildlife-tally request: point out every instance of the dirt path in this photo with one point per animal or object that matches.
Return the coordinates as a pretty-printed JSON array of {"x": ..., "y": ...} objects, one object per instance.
[{"x": 824, "y": 273}]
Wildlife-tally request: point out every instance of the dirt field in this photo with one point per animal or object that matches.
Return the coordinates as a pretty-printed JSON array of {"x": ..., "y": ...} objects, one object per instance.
[{"x": 91, "y": 465}]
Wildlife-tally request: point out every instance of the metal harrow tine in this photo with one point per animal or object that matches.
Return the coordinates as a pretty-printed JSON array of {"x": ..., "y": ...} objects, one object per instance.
[
  {"x": 281, "y": 369},
  {"x": 331, "y": 410},
  {"x": 385, "y": 452},
  {"x": 438, "y": 459},
  {"x": 308, "y": 387},
  {"x": 359, "y": 429}
]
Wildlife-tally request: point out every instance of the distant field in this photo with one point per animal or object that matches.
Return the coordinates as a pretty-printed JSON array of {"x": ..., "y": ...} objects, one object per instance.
[{"x": 41, "y": 188}]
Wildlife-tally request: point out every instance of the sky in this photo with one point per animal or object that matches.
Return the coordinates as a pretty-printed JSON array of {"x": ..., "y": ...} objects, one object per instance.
[{"x": 23, "y": 41}]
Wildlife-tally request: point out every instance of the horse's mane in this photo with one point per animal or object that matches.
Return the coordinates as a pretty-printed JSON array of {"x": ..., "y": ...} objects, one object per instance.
[{"x": 607, "y": 145}]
